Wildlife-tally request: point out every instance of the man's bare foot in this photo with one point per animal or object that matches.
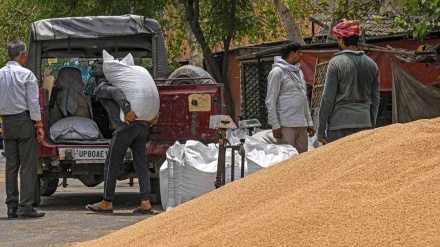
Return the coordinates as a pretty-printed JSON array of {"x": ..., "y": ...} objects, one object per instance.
[{"x": 146, "y": 205}]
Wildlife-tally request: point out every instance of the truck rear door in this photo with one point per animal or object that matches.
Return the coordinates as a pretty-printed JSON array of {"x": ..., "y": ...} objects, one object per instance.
[{"x": 185, "y": 111}]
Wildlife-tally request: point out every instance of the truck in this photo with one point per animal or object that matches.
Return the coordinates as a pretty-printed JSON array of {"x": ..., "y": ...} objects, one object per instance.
[{"x": 61, "y": 51}]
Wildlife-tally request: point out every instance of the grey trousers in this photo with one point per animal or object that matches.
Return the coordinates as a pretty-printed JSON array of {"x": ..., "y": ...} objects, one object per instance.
[
  {"x": 295, "y": 136},
  {"x": 21, "y": 151},
  {"x": 333, "y": 135},
  {"x": 134, "y": 137}
]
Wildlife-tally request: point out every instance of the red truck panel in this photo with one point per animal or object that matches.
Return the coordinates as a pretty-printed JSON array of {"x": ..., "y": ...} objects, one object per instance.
[{"x": 177, "y": 122}]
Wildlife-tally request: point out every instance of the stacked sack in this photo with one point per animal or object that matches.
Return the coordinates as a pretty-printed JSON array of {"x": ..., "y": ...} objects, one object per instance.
[{"x": 191, "y": 168}]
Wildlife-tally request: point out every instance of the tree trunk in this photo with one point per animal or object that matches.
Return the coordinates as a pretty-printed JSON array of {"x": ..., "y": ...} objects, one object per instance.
[
  {"x": 334, "y": 21},
  {"x": 192, "y": 9},
  {"x": 292, "y": 29},
  {"x": 196, "y": 53}
]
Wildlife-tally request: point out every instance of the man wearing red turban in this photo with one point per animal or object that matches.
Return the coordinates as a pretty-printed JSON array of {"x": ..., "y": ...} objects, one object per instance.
[
  {"x": 347, "y": 28},
  {"x": 350, "y": 100}
]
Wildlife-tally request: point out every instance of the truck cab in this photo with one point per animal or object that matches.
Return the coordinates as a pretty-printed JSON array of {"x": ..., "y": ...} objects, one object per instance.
[{"x": 61, "y": 52}]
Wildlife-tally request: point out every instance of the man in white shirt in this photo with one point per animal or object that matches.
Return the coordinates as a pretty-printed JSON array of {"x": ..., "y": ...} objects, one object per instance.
[
  {"x": 22, "y": 128},
  {"x": 286, "y": 99}
]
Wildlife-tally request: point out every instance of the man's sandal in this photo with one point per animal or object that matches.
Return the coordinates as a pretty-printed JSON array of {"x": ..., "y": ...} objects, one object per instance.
[
  {"x": 98, "y": 209},
  {"x": 139, "y": 210}
]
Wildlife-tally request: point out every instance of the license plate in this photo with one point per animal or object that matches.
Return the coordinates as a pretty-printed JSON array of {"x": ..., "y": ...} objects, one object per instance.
[{"x": 90, "y": 154}]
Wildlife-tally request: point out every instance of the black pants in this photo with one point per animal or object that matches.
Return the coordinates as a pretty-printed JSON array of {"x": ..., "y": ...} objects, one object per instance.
[
  {"x": 21, "y": 151},
  {"x": 333, "y": 135},
  {"x": 134, "y": 137}
]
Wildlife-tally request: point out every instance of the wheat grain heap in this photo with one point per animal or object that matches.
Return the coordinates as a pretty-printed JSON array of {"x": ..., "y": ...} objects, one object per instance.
[{"x": 375, "y": 188}]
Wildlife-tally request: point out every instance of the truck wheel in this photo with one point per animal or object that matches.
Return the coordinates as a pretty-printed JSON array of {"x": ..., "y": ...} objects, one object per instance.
[
  {"x": 91, "y": 180},
  {"x": 190, "y": 71},
  {"x": 48, "y": 186},
  {"x": 37, "y": 195}
]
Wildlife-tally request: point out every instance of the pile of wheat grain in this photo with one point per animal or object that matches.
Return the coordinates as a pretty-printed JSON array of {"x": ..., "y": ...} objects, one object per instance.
[{"x": 374, "y": 188}]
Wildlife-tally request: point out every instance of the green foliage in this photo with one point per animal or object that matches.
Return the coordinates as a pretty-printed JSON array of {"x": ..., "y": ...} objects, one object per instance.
[
  {"x": 419, "y": 16},
  {"x": 344, "y": 9},
  {"x": 15, "y": 17},
  {"x": 173, "y": 23},
  {"x": 242, "y": 20}
]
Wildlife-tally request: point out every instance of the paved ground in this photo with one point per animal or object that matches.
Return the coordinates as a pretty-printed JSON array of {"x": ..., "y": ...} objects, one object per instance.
[{"x": 66, "y": 220}]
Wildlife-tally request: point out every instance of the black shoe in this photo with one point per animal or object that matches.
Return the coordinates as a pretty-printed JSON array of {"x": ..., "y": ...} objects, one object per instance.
[
  {"x": 12, "y": 212},
  {"x": 31, "y": 214}
]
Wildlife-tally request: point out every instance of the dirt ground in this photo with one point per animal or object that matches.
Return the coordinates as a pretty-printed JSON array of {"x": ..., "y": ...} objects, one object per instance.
[{"x": 66, "y": 220}]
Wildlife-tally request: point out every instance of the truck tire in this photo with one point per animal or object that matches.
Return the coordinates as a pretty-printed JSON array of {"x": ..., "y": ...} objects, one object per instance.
[
  {"x": 190, "y": 71},
  {"x": 48, "y": 186},
  {"x": 91, "y": 180}
]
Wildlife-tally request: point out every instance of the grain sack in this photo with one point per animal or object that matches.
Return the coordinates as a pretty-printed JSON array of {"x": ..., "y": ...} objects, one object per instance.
[
  {"x": 173, "y": 174},
  {"x": 191, "y": 168},
  {"x": 377, "y": 187},
  {"x": 163, "y": 179},
  {"x": 198, "y": 171},
  {"x": 136, "y": 83},
  {"x": 260, "y": 155},
  {"x": 74, "y": 128}
]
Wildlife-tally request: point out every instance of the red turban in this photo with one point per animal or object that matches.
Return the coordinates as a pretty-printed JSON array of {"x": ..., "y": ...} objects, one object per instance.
[{"x": 347, "y": 28}]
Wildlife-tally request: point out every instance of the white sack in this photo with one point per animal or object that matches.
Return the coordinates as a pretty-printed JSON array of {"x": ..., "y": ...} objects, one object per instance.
[
  {"x": 175, "y": 156},
  {"x": 265, "y": 136},
  {"x": 260, "y": 155},
  {"x": 163, "y": 179},
  {"x": 136, "y": 83},
  {"x": 74, "y": 128},
  {"x": 192, "y": 168},
  {"x": 199, "y": 170}
]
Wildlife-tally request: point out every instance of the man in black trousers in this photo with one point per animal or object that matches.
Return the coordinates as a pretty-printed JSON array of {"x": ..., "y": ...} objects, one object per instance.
[
  {"x": 131, "y": 134},
  {"x": 22, "y": 128}
]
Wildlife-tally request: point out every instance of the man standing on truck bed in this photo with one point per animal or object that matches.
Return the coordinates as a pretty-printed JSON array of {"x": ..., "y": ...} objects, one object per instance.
[
  {"x": 350, "y": 100},
  {"x": 22, "y": 128},
  {"x": 131, "y": 134}
]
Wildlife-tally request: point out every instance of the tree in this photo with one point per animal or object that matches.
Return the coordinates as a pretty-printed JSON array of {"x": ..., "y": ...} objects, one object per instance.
[
  {"x": 220, "y": 22},
  {"x": 419, "y": 17},
  {"x": 292, "y": 29},
  {"x": 12, "y": 27}
]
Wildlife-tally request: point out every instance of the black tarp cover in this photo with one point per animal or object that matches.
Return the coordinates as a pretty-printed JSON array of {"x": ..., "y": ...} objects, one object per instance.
[{"x": 413, "y": 100}]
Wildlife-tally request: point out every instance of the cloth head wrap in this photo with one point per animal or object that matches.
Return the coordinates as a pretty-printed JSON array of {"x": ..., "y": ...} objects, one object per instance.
[{"x": 346, "y": 28}]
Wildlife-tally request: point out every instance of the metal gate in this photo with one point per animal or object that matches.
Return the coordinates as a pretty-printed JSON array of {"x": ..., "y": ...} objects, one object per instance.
[
  {"x": 318, "y": 88},
  {"x": 254, "y": 89}
]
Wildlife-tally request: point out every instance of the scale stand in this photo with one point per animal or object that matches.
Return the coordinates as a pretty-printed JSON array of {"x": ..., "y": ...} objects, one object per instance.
[{"x": 222, "y": 123}]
